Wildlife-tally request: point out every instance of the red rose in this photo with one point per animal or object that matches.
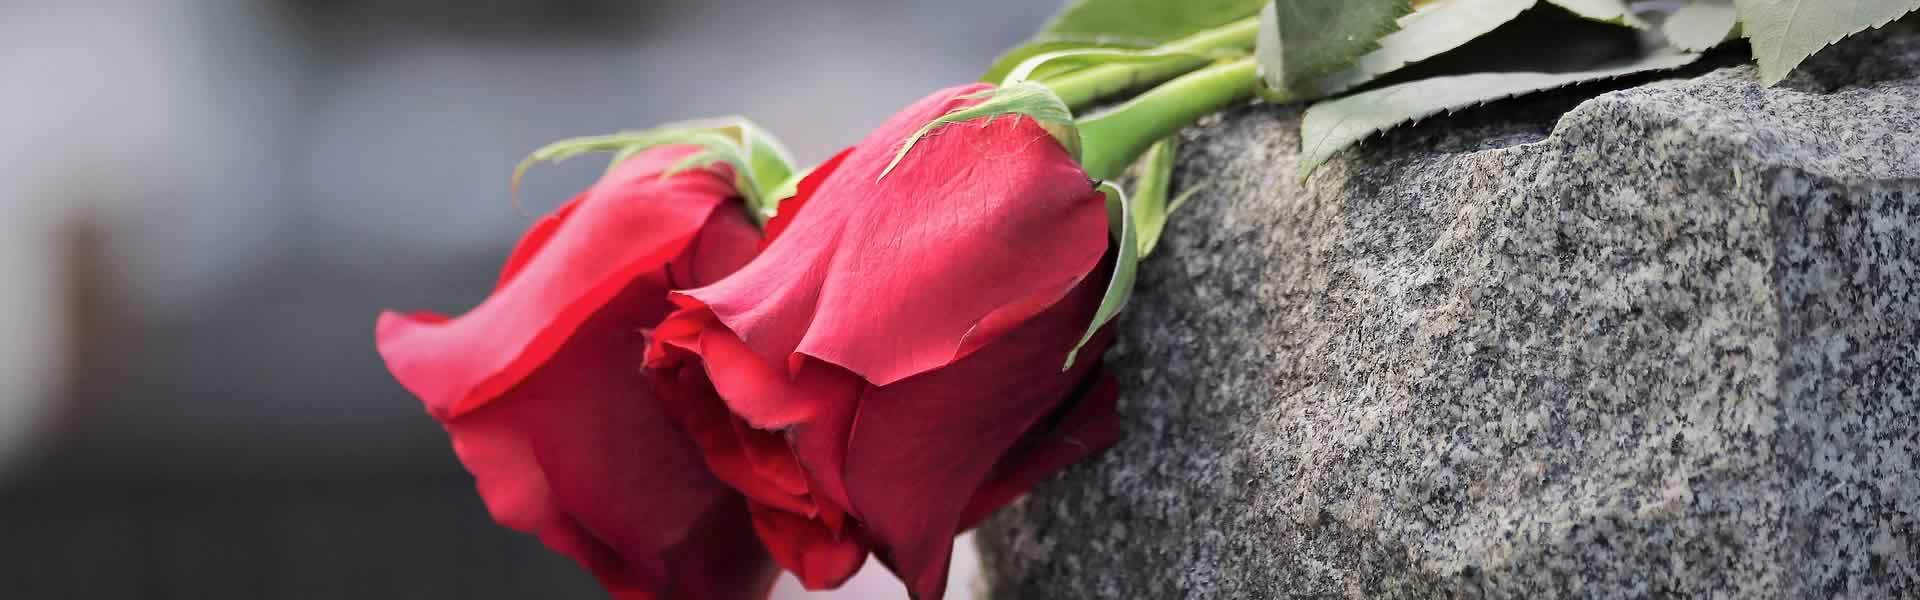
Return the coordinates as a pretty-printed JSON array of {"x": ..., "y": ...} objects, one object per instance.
[
  {"x": 541, "y": 387},
  {"x": 888, "y": 371}
]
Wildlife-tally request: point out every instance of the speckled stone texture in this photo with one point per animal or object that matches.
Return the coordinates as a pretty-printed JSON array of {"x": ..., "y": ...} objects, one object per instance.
[{"x": 1661, "y": 341}]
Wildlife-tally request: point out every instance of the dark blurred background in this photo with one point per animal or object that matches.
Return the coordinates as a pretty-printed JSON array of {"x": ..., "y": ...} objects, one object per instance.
[{"x": 204, "y": 204}]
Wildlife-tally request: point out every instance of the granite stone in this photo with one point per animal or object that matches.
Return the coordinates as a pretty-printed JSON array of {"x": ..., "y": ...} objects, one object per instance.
[{"x": 1653, "y": 338}]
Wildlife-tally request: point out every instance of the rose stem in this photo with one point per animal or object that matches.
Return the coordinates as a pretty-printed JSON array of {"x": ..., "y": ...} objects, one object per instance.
[
  {"x": 1082, "y": 88},
  {"x": 1112, "y": 140}
]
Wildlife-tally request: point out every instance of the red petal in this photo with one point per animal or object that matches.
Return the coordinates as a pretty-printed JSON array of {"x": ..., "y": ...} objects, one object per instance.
[
  {"x": 920, "y": 450},
  {"x": 727, "y": 242},
  {"x": 772, "y": 460},
  {"x": 515, "y": 490},
  {"x": 582, "y": 446},
  {"x": 677, "y": 338},
  {"x": 981, "y": 227},
  {"x": 733, "y": 384},
  {"x": 791, "y": 206},
  {"x": 807, "y": 548},
  {"x": 686, "y": 394},
  {"x": 765, "y": 395},
  {"x": 820, "y": 444},
  {"x": 626, "y": 227},
  {"x": 1092, "y": 425},
  {"x": 535, "y": 239},
  {"x": 731, "y": 566}
]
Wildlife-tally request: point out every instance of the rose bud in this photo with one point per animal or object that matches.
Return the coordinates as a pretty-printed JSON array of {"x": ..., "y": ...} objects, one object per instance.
[
  {"x": 889, "y": 370},
  {"x": 542, "y": 391}
]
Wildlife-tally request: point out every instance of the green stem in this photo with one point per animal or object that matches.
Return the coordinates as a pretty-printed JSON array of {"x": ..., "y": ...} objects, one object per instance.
[
  {"x": 1113, "y": 139},
  {"x": 1082, "y": 88}
]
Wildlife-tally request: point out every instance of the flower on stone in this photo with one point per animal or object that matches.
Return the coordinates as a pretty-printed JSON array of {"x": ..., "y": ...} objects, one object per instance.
[
  {"x": 888, "y": 371},
  {"x": 541, "y": 388}
]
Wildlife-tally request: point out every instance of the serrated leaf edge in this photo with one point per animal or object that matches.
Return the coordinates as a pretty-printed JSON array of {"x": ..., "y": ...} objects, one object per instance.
[
  {"x": 1309, "y": 164},
  {"x": 1787, "y": 69},
  {"x": 1350, "y": 78},
  {"x": 1270, "y": 14}
]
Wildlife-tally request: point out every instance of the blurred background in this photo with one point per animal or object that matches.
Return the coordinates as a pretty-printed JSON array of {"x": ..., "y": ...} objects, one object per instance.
[{"x": 204, "y": 204}]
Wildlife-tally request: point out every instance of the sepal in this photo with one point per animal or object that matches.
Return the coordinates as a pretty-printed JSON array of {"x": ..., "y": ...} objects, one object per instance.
[
  {"x": 1027, "y": 98},
  {"x": 1126, "y": 263},
  {"x": 1152, "y": 198},
  {"x": 760, "y": 164}
]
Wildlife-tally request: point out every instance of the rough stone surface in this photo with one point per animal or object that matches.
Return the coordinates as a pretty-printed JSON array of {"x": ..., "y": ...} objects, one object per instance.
[{"x": 1662, "y": 341}]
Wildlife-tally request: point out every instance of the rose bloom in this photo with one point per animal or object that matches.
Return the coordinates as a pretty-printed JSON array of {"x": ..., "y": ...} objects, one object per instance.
[
  {"x": 542, "y": 391},
  {"x": 889, "y": 370}
]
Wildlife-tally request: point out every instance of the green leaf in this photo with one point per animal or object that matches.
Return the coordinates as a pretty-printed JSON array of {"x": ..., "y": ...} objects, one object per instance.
[
  {"x": 1605, "y": 11},
  {"x": 1334, "y": 125},
  {"x": 1126, "y": 24},
  {"x": 1303, "y": 41},
  {"x": 1435, "y": 28},
  {"x": 1577, "y": 44},
  {"x": 1700, "y": 25},
  {"x": 1785, "y": 32},
  {"x": 1026, "y": 98},
  {"x": 1125, "y": 267}
]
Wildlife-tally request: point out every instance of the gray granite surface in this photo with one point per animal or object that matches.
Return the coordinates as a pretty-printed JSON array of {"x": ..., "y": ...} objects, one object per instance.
[{"x": 1654, "y": 339}]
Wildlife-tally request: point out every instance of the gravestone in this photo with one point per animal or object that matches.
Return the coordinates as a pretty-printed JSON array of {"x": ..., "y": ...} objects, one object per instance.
[{"x": 1657, "y": 341}]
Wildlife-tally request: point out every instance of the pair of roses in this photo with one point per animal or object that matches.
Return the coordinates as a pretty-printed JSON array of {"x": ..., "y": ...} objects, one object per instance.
[{"x": 681, "y": 401}]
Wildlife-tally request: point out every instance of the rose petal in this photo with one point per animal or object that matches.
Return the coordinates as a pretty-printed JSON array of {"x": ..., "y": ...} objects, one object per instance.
[
  {"x": 743, "y": 575},
  {"x": 515, "y": 490},
  {"x": 791, "y": 206},
  {"x": 1091, "y": 425},
  {"x": 686, "y": 394},
  {"x": 770, "y": 457},
  {"x": 759, "y": 462},
  {"x": 607, "y": 462},
  {"x": 820, "y": 444},
  {"x": 762, "y": 394},
  {"x": 921, "y": 449},
  {"x": 889, "y": 277},
  {"x": 807, "y": 548},
  {"x": 535, "y": 240},
  {"x": 727, "y": 242},
  {"x": 625, "y": 228}
]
